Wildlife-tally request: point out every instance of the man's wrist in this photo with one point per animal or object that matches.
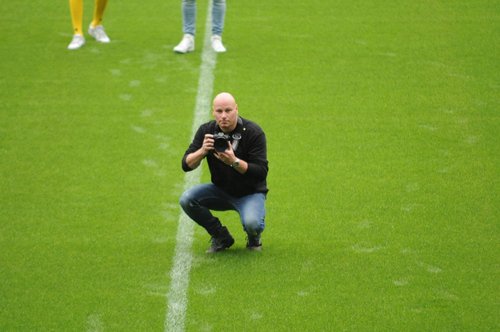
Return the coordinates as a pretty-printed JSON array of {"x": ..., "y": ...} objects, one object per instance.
[{"x": 235, "y": 163}]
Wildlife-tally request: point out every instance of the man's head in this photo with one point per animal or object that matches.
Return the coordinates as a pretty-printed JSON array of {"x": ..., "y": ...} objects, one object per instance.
[{"x": 225, "y": 111}]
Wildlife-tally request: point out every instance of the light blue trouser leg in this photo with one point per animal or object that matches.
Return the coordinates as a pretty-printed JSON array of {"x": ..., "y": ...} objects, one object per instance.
[
  {"x": 189, "y": 16},
  {"x": 200, "y": 199},
  {"x": 252, "y": 213},
  {"x": 218, "y": 15}
]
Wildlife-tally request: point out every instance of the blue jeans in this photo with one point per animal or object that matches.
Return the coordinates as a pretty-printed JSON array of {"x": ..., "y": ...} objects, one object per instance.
[
  {"x": 200, "y": 199},
  {"x": 189, "y": 16}
]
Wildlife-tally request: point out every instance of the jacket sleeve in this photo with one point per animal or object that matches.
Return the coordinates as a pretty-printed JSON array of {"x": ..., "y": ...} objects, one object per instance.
[
  {"x": 195, "y": 145},
  {"x": 257, "y": 158}
]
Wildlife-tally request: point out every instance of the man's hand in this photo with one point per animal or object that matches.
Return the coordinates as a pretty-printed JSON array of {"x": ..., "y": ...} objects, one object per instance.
[
  {"x": 227, "y": 157},
  {"x": 208, "y": 144},
  {"x": 194, "y": 159}
]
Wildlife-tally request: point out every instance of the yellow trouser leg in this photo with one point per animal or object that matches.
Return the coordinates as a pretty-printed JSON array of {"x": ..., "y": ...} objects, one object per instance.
[
  {"x": 76, "y": 9},
  {"x": 100, "y": 6}
]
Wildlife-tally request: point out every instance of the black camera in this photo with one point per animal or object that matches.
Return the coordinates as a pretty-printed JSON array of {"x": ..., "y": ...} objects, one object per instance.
[{"x": 220, "y": 141}]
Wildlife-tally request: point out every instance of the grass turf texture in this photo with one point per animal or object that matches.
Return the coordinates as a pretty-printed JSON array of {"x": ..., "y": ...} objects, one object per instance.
[{"x": 382, "y": 121}]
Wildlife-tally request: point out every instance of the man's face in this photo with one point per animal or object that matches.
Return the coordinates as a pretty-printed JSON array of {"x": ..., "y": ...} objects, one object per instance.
[{"x": 225, "y": 112}]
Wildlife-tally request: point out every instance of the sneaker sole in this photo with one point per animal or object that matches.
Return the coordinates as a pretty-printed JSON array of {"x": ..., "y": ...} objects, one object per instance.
[
  {"x": 228, "y": 245},
  {"x": 183, "y": 52},
  {"x": 100, "y": 41},
  {"x": 259, "y": 248},
  {"x": 72, "y": 48}
]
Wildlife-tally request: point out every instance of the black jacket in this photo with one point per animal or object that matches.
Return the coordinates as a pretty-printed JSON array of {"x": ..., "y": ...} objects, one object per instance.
[{"x": 251, "y": 147}]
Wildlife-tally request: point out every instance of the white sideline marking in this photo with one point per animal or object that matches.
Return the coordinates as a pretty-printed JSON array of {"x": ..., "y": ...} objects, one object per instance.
[
  {"x": 179, "y": 274},
  {"x": 94, "y": 323}
]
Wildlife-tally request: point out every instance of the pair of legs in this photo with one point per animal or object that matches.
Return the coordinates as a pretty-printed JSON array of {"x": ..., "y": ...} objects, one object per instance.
[
  {"x": 199, "y": 200},
  {"x": 96, "y": 30},
  {"x": 189, "y": 16},
  {"x": 76, "y": 9},
  {"x": 189, "y": 26}
]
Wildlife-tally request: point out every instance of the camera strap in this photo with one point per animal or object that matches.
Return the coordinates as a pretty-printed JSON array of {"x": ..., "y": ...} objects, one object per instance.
[{"x": 236, "y": 136}]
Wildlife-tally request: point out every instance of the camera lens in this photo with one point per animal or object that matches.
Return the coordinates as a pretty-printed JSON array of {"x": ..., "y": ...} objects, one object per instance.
[{"x": 220, "y": 142}]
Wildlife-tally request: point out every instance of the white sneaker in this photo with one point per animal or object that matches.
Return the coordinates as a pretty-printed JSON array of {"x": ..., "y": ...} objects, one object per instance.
[
  {"x": 99, "y": 34},
  {"x": 217, "y": 44},
  {"x": 186, "y": 44},
  {"x": 77, "y": 42}
]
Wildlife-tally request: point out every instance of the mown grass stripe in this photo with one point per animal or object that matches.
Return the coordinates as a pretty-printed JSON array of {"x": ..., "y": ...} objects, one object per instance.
[{"x": 179, "y": 274}]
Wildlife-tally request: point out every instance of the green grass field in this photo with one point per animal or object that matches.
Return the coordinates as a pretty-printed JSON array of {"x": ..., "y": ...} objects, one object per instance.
[{"x": 383, "y": 124}]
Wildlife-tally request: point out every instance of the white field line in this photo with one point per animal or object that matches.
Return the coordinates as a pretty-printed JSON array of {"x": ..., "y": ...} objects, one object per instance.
[
  {"x": 94, "y": 323},
  {"x": 179, "y": 274}
]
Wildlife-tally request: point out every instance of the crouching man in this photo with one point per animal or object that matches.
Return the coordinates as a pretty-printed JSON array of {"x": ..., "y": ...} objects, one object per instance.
[{"x": 236, "y": 153}]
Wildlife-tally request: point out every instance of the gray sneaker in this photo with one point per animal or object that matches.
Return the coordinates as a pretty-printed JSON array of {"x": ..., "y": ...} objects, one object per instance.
[
  {"x": 254, "y": 243},
  {"x": 217, "y": 44},
  {"x": 77, "y": 42},
  {"x": 186, "y": 45},
  {"x": 221, "y": 241},
  {"x": 99, "y": 34}
]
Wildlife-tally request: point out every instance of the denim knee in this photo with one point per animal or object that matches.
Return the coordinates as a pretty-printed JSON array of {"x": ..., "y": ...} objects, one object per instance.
[
  {"x": 253, "y": 226},
  {"x": 186, "y": 199}
]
